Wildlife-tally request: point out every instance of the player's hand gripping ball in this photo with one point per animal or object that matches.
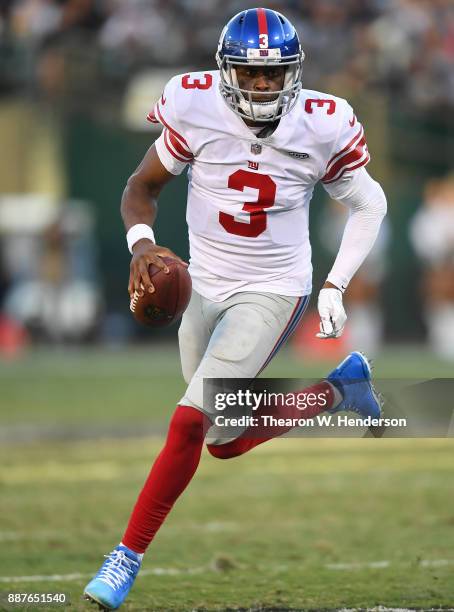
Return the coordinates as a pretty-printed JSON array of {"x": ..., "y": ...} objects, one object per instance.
[{"x": 169, "y": 299}]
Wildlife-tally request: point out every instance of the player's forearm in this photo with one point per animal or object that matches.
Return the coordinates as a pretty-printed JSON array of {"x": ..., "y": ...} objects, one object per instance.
[
  {"x": 139, "y": 203},
  {"x": 358, "y": 239},
  {"x": 367, "y": 203}
]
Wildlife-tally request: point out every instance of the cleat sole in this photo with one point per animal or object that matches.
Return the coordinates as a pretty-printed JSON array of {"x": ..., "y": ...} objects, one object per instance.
[
  {"x": 94, "y": 601},
  {"x": 379, "y": 397}
]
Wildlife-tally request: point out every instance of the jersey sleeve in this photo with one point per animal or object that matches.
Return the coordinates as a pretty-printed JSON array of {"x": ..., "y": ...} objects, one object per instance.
[
  {"x": 350, "y": 148},
  {"x": 172, "y": 147}
]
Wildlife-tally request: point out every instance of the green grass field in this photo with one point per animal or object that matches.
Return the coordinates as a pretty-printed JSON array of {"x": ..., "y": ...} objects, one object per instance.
[{"x": 297, "y": 523}]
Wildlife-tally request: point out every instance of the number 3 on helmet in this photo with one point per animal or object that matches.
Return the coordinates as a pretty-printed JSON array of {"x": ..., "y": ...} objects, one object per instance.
[{"x": 260, "y": 37}]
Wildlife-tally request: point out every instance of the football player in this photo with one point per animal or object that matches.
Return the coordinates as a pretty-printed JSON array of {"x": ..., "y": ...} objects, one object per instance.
[{"x": 256, "y": 144}]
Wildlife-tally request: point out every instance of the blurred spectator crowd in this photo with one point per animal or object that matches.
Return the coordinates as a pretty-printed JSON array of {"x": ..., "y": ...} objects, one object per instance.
[
  {"x": 48, "y": 276},
  {"x": 111, "y": 57},
  {"x": 402, "y": 47},
  {"x": 432, "y": 237}
]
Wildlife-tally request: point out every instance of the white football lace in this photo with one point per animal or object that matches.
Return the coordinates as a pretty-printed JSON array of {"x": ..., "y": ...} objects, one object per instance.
[
  {"x": 133, "y": 302},
  {"x": 117, "y": 570}
]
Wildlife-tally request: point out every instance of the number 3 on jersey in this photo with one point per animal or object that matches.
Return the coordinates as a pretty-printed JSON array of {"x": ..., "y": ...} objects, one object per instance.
[
  {"x": 188, "y": 82},
  {"x": 266, "y": 195}
]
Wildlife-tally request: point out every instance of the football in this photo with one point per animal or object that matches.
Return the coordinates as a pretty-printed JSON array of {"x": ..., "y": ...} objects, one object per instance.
[{"x": 169, "y": 299}]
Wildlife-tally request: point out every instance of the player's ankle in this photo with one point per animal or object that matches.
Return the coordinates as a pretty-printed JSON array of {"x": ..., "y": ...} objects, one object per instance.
[{"x": 139, "y": 554}]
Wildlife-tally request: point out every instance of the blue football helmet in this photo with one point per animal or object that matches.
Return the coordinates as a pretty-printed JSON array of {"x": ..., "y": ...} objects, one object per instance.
[{"x": 260, "y": 37}]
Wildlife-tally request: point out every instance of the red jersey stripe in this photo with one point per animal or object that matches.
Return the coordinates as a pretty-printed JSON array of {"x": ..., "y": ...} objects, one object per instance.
[
  {"x": 363, "y": 162},
  {"x": 163, "y": 121},
  {"x": 354, "y": 155},
  {"x": 178, "y": 147},
  {"x": 170, "y": 149},
  {"x": 344, "y": 162},
  {"x": 152, "y": 117},
  {"x": 346, "y": 148}
]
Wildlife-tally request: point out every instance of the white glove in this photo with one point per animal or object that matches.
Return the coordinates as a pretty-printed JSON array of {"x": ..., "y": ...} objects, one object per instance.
[{"x": 332, "y": 313}]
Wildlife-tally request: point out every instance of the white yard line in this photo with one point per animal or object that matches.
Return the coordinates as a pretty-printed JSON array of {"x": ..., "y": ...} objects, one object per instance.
[
  {"x": 173, "y": 571},
  {"x": 436, "y": 562},
  {"x": 155, "y": 571},
  {"x": 50, "y": 578},
  {"x": 11, "y": 536},
  {"x": 385, "y": 609},
  {"x": 210, "y": 527},
  {"x": 386, "y": 564},
  {"x": 377, "y": 609},
  {"x": 353, "y": 566}
]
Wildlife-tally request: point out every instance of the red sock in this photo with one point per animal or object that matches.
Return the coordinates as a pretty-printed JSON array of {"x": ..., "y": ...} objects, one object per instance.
[
  {"x": 171, "y": 473},
  {"x": 253, "y": 436}
]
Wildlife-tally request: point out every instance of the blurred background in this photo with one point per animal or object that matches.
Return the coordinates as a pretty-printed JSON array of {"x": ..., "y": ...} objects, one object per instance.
[
  {"x": 82, "y": 384},
  {"x": 77, "y": 78}
]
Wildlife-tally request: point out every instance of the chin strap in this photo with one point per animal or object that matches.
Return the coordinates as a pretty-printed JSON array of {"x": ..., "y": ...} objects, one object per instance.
[{"x": 262, "y": 110}]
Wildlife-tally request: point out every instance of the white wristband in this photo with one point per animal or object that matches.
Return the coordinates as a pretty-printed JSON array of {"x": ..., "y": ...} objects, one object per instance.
[{"x": 137, "y": 232}]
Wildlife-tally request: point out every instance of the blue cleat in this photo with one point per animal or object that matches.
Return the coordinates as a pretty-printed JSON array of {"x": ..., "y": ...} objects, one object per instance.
[
  {"x": 352, "y": 378},
  {"x": 114, "y": 580}
]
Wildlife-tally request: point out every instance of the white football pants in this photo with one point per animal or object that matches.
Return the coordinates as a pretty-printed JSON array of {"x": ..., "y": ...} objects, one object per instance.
[{"x": 236, "y": 338}]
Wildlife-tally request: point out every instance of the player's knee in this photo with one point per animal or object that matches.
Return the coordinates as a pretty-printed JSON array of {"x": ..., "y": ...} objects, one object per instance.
[{"x": 188, "y": 424}]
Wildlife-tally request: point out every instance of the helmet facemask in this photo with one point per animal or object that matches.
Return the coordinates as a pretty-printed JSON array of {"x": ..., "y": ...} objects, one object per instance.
[{"x": 240, "y": 100}]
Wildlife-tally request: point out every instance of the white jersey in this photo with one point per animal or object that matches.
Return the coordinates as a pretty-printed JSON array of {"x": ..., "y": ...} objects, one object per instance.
[{"x": 248, "y": 198}]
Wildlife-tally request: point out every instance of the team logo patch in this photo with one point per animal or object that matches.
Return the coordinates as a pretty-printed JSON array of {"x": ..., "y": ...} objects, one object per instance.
[
  {"x": 256, "y": 148},
  {"x": 253, "y": 165},
  {"x": 298, "y": 155},
  {"x": 270, "y": 54}
]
